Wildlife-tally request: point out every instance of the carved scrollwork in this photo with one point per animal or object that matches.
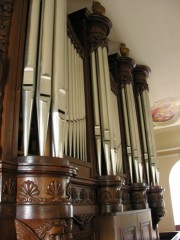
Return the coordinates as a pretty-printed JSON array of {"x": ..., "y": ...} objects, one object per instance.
[
  {"x": 9, "y": 191},
  {"x": 27, "y": 192},
  {"x": 83, "y": 219}
]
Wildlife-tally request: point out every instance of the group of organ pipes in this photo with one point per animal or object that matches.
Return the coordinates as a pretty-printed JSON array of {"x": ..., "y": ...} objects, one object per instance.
[
  {"x": 54, "y": 97},
  {"x": 54, "y": 76}
]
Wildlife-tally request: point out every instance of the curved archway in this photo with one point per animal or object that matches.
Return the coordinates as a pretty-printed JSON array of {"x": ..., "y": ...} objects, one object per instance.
[{"x": 174, "y": 182}]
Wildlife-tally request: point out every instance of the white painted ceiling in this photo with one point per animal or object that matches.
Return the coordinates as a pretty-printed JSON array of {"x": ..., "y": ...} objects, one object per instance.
[{"x": 151, "y": 29}]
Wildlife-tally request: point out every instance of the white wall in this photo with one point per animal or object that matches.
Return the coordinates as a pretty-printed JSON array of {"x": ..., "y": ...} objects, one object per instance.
[{"x": 168, "y": 146}]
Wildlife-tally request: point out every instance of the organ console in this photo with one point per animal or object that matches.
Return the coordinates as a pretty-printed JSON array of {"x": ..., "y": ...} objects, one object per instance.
[{"x": 77, "y": 145}]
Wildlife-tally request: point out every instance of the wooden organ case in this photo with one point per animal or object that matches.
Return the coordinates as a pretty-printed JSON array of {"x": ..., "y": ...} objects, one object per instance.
[{"x": 78, "y": 158}]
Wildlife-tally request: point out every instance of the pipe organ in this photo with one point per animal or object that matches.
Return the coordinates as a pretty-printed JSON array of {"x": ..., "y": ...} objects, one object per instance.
[{"x": 77, "y": 143}]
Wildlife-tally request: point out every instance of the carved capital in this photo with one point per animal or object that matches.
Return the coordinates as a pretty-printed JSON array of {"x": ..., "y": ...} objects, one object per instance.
[
  {"x": 109, "y": 194},
  {"x": 125, "y": 77},
  {"x": 156, "y": 203},
  {"x": 138, "y": 194},
  {"x": 97, "y": 40},
  {"x": 98, "y": 27},
  {"x": 140, "y": 75}
]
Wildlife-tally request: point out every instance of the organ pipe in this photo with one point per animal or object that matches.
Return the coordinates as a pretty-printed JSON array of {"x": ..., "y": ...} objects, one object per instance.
[
  {"x": 141, "y": 74},
  {"x": 59, "y": 87},
  {"x": 30, "y": 70},
  {"x": 44, "y": 79}
]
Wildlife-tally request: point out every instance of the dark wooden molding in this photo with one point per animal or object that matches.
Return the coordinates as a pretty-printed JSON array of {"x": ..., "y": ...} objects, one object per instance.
[
  {"x": 140, "y": 76},
  {"x": 6, "y": 10},
  {"x": 99, "y": 28}
]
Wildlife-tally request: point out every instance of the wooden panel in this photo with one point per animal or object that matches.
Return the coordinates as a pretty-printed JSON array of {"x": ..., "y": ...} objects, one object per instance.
[
  {"x": 146, "y": 230},
  {"x": 130, "y": 225},
  {"x": 129, "y": 233}
]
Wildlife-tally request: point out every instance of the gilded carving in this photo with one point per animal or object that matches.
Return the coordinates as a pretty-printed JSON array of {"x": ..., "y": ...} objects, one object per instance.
[
  {"x": 27, "y": 192},
  {"x": 9, "y": 191},
  {"x": 56, "y": 191}
]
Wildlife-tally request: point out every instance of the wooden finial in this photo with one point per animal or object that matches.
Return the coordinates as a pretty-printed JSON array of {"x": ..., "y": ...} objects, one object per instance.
[
  {"x": 124, "y": 50},
  {"x": 98, "y": 8}
]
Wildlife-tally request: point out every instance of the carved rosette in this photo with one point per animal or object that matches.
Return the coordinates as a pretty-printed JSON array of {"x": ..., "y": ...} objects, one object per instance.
[
  {"x": 109, "y": 194},
  {"x": 140, "y": 76},
  {"x": 138, "y": 196},
  {"x": 156, "y": 203},
  {"x": 98, "y": 28}
]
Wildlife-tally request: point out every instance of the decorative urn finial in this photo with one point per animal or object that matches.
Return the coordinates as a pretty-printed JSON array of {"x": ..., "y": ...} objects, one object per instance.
[
  {"x": 124, "y": 50},
  {"x": 98, "y": 8}
]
